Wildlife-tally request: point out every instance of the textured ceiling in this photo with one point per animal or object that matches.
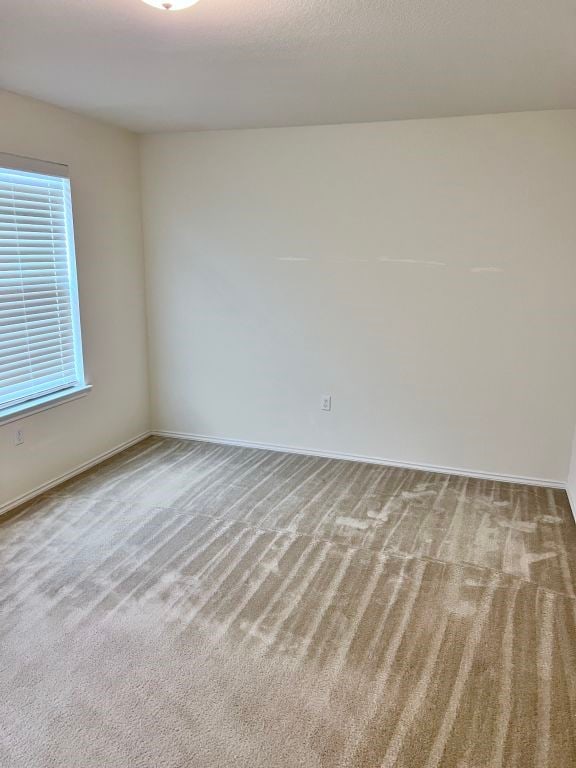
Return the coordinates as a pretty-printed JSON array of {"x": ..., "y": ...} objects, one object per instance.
[{"x": 246, "y": 63}]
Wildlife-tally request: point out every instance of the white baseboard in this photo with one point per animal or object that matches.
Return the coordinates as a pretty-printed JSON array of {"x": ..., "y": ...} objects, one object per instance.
[
  {"x": 543, "y": 482},
  {"x": 572, "y": 502},
  {"x": 7, "y": 506}
]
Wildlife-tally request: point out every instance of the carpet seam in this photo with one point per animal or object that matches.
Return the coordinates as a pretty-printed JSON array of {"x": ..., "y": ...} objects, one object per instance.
[{"x": 383, "y": 550}]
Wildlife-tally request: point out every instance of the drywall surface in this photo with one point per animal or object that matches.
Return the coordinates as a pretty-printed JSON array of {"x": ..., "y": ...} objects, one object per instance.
[
  {"x": 104, "y": 171},
  {"x": 421, "y": 273}
]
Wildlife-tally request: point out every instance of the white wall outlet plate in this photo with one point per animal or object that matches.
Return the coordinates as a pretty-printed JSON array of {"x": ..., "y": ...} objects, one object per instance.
[
  {"x": 18, "y": 436},
  {"x": 326, "y": 403}
]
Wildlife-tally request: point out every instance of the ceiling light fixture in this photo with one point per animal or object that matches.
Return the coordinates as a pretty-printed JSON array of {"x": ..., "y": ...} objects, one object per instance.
[{"x": 175, "y": 5}]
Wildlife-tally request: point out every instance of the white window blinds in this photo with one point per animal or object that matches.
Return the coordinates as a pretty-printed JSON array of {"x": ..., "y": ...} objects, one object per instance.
[{"x": 40, "y": 347}]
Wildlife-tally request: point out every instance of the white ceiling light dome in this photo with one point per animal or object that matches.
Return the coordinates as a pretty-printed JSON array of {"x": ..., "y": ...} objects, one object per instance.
[{"x": 174, "y": 5}]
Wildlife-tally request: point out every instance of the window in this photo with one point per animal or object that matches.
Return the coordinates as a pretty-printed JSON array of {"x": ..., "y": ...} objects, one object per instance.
[{"x": 40, "y": 345}]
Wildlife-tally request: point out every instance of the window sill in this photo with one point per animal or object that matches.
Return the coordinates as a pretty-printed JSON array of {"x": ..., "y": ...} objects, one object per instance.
[{"x": 21, "y": 410}]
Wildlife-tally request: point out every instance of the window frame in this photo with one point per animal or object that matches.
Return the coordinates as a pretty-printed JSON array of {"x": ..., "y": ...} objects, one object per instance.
[{"x": 50, "y": 398}]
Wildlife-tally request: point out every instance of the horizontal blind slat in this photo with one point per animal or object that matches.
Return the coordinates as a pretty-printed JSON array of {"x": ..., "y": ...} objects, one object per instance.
[
  {"x": 34, "y": 352},
  {"x": 49, "y": 301},
  {"x": 44, "y": 287},
  {"x": 37, "y": 373},
  {"x": 55, "y": 356},
  {"x": 19, "y": 329},
  {"x": 10, "y": 338}
]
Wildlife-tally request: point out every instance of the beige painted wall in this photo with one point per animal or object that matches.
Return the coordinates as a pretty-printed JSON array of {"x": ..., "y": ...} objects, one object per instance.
[
  {"x": 421, "y": 272},
  {"x": 106, "y": 199}
]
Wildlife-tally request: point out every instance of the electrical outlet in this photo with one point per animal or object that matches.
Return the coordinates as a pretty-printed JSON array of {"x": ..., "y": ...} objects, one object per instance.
[
  {"x": 19, "y": 437},
  {"x": 326, "y": 403}
]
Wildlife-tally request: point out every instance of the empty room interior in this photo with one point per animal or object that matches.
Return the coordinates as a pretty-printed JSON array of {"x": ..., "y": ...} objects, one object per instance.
[{"x": 288, "y": 384}]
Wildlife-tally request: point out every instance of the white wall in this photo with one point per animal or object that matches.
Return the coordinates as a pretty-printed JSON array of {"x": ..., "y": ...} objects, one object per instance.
[
  {"x": 420, "y": 272},
  {"x": 106, "y": 200}
]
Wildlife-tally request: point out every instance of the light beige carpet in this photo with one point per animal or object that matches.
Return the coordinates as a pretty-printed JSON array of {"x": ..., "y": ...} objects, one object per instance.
[{"x": 187, "y": 604}]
